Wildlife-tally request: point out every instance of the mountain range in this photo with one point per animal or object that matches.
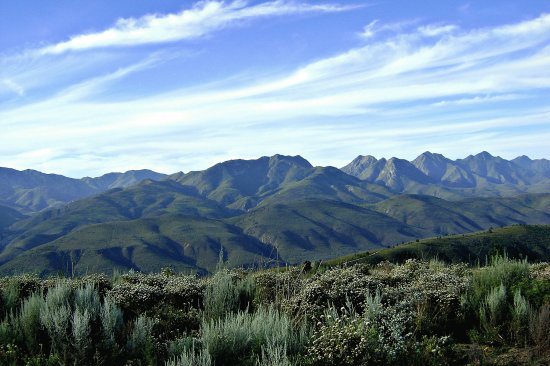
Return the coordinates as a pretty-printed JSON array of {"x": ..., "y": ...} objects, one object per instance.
[
  {"x": 30, "y": 190},
  {"x": 481, "y": 175},
  {"x": 267, "y": 211}
]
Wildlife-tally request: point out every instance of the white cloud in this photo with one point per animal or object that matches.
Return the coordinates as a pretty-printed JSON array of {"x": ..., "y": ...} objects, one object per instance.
[
  {"x": 434, "y": 30},
  {"x": 203, "y": 18},
  {"x": 14, "y": 87},
  {"x": 431, "y": 87},
  {"x": 369, "y": 30}
]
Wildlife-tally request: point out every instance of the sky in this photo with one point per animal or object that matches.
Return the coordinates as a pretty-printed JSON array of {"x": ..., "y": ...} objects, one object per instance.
[{"x": 90, "y": 87}]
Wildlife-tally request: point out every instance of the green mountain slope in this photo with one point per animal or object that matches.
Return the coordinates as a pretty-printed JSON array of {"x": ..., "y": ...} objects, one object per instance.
[
  {"x": 184, "y": 242},
  {"x": 517, "y": 241},
  {"x": 327, "y": 183},
  {"x": 442, "y": 217},
  {"x": 319, "y": 229},
  {"x": 241, "y": 184},
  {"x": 8, "y": 216},
  {"x": 148, "y": 199}
]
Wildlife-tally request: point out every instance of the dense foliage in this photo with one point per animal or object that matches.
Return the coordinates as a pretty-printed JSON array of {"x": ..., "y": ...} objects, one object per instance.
[{"x": 416, "y": 313}]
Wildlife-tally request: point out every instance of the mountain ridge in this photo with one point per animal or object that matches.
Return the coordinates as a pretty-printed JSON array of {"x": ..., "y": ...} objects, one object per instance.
[{"x": 277, "y": 209}]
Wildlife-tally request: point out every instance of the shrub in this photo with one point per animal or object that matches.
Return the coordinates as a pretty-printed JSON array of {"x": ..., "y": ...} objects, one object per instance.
[
  {"x": 81, "y": 324},
  {"x": 540, "y": 330},
  {"x": 493, "y": 314},
  {"x": 344, "y": 339},
  {"x": 273, "y": 355},
  {"x": 112, "y": 322},
  {"x": 238, "y": 336},
  {"x": 521, "y": 313},
  {"x": 501, "y": 270},
  {"x": 28, "y": 320},
  {"x": 56, "y": 316},
  {"x": 227, "y": 294},
  {"x": 431, "y": 351},
  {"x": 86, "y": 298},
  {"x": 141, "y": 341},
  {"x": 192, "y": 358},
  {"x": 188, "y": 290},
  {"x": 6, "y": 332},
  {"x": 135, "y": 297}
]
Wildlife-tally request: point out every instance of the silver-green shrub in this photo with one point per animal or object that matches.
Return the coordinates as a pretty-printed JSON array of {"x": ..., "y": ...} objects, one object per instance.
[
  {"x": 87, "y": 298},
  {"x": 140, "y": 340},
  {"x": 492, "y": 313},
  {"x": 28, "y": 319},
  {"x": 81, "y": 328},
  {"x": 10, "y": 295},
  {"x": 111, "y": 322},
  {"x": 191, "y": 357},
  {"x": 56, "y": 316},
  {"x": 274, "y": 355},
  {"x": 221, "y": 295},
  {"x": 229, "y": 338},
  {"x": 521, "y": 314},
  {"x": 501, "y": 270}
]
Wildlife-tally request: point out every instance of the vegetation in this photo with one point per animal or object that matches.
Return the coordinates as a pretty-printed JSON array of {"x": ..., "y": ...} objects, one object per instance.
[
  {"x": 415, "y": 313},
  {"x": 531, "y": 242}
]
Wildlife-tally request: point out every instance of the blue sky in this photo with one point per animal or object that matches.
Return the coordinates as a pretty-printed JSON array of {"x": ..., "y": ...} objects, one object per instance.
[{"x": 88, "y": 87}]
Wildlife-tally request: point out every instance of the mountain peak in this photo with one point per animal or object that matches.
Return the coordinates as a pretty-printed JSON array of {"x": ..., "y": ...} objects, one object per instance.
[
  {"x": 364, "y": 159},
  {"x": 361, "y": 164},
  {"x": 523, "y": 159},
  {"x": 484, "y": 155},
  {"x": 296, "y": 160},
  {"x": 428, "y": 155}
]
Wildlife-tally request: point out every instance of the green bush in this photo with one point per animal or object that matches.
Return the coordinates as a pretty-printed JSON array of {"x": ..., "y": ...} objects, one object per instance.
[
  {"x": 521, "y": 314},
  {"x": 28, "y": 320},
  {"x": 344, "y": 339},
  {"x": 192, "y": 357},
  {"x": 501, "y": 270},
  {"x": 359, "y": 315},
  {"x": 493, "y": 314},
  {"x": 226, "y": 293},
  {"x": 111, "y": 322},
  {"x": 56, "y": 316},
  {"x": 274, "y": 355},
  {"x": 140, "y": 342},
  {"x": 241, "y": 335}
]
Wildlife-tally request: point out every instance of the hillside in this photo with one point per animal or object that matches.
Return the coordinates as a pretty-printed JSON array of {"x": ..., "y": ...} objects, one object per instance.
[
  {"x": 185, "y": 243},
  {"x": 318, "y": 229},
  {"x": 443, "y": 217},
  {"x": 516, "y": 241},
  {"x": 8, "y": 216}
]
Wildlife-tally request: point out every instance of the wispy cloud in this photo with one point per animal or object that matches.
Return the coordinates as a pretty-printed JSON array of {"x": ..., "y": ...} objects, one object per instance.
[
  {"x": 420, "y": 87},
  {"x": 13, "y": 87},
  {"x": 203, "y": 18}
]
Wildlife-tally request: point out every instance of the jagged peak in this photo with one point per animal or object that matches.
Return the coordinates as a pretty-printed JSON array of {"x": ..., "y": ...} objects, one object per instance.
[
  {"x": 484, "y": 155},
  {"x": 428, "y": 155},
  {"x": 394, "y": 160},
  {"x": 523, "y": 158},
  {"x": 365, "y": 158},
  {"x": 296, "y": 159}
]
